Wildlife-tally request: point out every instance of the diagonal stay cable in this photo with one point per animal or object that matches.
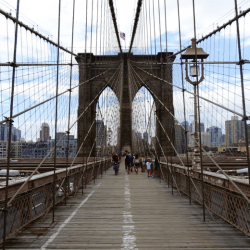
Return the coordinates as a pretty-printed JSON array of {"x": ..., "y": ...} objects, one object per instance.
[
  {"x": 183, "y": 166},
  {"x": 36, "y": 169},
  {"x": 68, "y": 171},
  {"x": 159, "y": 143},
  {"x": 191, "y": 93},
  {"x": 64, "y": 92},
  {"x": 230, "y": 180}
]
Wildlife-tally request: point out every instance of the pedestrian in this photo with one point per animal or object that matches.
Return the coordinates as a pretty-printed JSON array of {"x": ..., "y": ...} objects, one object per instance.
[
  {"x": 143, "y": 166},
  {"x": 115, "y": 162},
  {"x": 157, "y": 163},
  {"x": 131, "y": 157},
  {"x": 127, "y": 162},
  {"x": 119, "y": 161},
  {"x": 137, "y": 163},
  {"x": 148, "y": 164}
]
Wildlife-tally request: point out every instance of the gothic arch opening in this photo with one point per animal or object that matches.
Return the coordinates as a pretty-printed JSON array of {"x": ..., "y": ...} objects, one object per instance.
[
  {"x": 107, "y": 123},
  {"x": 143, "y": 122}
]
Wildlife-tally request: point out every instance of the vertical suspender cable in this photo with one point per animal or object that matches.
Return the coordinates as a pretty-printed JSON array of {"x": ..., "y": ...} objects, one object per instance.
[
  {"x": 184, "y": 104},
  {"x": 111, "y": 6},
  {"x": 138, "y": 10},
  {"x": 242, "y": 87},
  {"x": 5, "y": 210},
  {"x": 70, "y": 83},
  {"x": 57, "y": 82}
]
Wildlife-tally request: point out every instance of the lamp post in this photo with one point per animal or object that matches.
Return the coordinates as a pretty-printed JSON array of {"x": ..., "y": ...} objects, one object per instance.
[{"x": 195, "y": 72}]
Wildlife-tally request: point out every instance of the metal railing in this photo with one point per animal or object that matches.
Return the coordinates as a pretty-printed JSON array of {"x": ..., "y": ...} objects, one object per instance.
[
  {"x": 36, "y": 201},
  {"x": 218, "y": 196}
]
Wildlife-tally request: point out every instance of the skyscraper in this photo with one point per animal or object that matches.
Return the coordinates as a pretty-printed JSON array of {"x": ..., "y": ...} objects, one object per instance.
[
  {"x": 15, "y": 133},
  {"x": 180, "y": 143},
  {"x": 145, "y": 137},
  {"x": 101, "y": 133},
  {"x": 44, "y": 132},
  {"x": 234, "y": 131},
  {"x": 215, "y": 134},
  {"x": 192, "y": 127}
]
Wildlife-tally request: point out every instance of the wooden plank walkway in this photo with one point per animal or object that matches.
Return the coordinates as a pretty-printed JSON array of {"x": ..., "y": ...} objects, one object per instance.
[{"x": 129, "y": 212}]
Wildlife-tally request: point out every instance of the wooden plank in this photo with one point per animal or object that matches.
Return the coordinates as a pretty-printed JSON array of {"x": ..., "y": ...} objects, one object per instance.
[{"x": 129, "y": 212}]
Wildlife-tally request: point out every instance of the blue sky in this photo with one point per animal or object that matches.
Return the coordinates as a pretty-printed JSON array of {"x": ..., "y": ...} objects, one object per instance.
[{"x": 37, "y": 84}]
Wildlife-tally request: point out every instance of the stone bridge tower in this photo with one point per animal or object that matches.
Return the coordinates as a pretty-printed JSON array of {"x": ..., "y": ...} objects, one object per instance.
[{"x": 90, "y": 66}]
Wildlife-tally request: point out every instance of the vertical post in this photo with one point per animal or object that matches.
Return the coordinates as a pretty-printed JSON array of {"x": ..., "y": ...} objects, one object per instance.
[
  {"x": 202, "y": 179},
  {"x": 184, "y": 109},
  {"x": 5, "y": 210},
  {"x": 196, "y": 158},
  {"x": 198, "y": 145},
  {"x": 241, "y": 62},
  {"x": 57, "y": 81}
]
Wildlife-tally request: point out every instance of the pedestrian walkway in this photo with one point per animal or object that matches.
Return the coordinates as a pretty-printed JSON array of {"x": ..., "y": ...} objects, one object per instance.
[{"x": 129, "y": 211}]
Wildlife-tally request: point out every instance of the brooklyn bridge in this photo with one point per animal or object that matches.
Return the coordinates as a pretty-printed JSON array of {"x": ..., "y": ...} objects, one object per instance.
[{"x": 124, "y": 124}]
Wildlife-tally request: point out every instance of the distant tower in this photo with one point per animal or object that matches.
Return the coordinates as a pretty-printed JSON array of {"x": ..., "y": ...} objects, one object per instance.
[
  {"x": 234, "y": 131},
  {"x": 44, "y": 132},
  {"x": 145, "y": 137}
]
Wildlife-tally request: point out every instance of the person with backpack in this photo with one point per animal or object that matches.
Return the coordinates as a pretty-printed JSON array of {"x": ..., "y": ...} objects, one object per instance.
[{"x": 131, "y": 157}]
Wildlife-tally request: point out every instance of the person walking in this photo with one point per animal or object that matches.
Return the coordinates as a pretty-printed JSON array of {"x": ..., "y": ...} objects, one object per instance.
[
  {"x": 143, "y": 162},
  {"x": 115, "y": 163},
  {"x": 127, "y": 162},
  {"x": 131, "y": 157},
  {"x": 137, "y": 163},
  {"x": 157, "y": 163},
  {"x": 148, "y": 164}
]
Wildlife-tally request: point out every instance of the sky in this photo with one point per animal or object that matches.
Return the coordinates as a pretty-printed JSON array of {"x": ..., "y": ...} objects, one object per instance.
[
  {"x": 34, "y": 86},
  {"x": 44, "y": 16}
]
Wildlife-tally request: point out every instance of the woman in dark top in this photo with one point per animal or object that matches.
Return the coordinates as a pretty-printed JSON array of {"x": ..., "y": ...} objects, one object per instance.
[{"x": 157, "y": 163}]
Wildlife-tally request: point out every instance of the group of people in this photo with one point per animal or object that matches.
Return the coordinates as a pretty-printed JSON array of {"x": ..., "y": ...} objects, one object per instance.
[{"x": 134, "y": 162}]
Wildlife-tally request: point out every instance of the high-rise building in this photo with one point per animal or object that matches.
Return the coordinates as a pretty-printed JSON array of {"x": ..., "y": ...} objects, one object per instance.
[
  {"x": 234, "y": 131},
  {"x": 118, "y": 137},
  {"x": 145, "y": 137},
  {"x": 101, "y": 132},
  {"x": 223, "y": 140},
  {"x": 180, "y": 143},
  {"x": 215, "y": 136},
  {"x": 44, "y": 132},
  {"x": 15, "y": 133},
  {"x": 205, "y": 139},
  {"x": 192, "y": 127}
]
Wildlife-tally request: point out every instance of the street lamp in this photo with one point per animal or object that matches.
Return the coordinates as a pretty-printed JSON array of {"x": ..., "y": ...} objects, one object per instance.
[{"x": 195, "y": 54}]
